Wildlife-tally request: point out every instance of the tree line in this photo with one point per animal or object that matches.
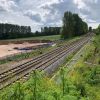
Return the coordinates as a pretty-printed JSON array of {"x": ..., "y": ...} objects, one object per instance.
[
  {"x": 8, "y": 31},
  {"x": 50, "y": 30},
  {"x": 73, "y": 25}
]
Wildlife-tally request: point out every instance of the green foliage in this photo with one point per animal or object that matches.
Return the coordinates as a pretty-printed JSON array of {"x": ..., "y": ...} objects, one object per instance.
[
  {"x": 96, "y": 42},
  {"x": 80, "y": 27},
  {"x": 50, "y": 31},
  {"x": 15, "y": 93},
  {"x": 39, "y": 87},
  {"x": 73, "y": 26},
  {"x": 8, "y": 31},
  {"x": 67, "y": 29},
  {"x": 11, "y": 31},
  {"x": 97, "y": 31},
  {"x": 51, "y": 38}
]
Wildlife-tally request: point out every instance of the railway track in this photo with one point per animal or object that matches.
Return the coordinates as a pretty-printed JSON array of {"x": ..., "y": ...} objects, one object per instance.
[{"x": 41, "y": 62}]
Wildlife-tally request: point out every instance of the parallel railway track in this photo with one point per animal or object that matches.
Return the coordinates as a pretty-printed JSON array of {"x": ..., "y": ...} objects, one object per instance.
[{"x": 41, "y": 62}]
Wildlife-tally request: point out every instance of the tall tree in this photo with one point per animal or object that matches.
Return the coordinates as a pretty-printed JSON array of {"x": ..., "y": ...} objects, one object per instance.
[
  {"x": 68, "y": 24},
  {"x": 73, "y": 25}
]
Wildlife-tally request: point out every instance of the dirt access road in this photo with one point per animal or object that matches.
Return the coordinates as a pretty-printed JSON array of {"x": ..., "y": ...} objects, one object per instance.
[{"x": 6, "y": 50}]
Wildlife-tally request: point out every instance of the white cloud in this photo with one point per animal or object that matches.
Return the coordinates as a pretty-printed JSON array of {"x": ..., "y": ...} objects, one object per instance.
[
  {"x": 7, "y": 5},
  {"x": 47, "y": 12},
  {"x": 80, "y": 4},
  {"x": 89, "y": 9}
]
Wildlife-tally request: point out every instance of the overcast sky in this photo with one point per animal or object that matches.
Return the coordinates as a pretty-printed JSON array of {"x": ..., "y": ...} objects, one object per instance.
[{"x": 39, "y": 13}]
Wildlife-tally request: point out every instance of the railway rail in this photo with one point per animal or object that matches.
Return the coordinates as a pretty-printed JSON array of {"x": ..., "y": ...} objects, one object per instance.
[{"x": 41, "y": 62}]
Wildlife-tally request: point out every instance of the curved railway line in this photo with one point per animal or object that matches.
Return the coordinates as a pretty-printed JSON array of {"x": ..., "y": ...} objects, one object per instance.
[{"x": 41, "y": 62}]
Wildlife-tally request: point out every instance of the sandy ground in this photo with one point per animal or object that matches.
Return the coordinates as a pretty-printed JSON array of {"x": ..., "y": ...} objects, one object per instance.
[{"x": 6, "y": 50}]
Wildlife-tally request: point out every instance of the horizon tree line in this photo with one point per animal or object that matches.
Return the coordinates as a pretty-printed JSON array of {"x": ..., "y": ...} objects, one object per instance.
[
  {"x": 14, "y": 31},
  {"x": 50, "y": 30}
]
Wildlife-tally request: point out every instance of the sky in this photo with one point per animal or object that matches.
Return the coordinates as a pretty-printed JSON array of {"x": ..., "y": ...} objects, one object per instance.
[{"x": 40, "y": 13}]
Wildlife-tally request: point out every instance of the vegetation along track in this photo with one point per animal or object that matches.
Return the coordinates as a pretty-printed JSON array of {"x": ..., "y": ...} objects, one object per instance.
[{"x": 41, "y": 62}]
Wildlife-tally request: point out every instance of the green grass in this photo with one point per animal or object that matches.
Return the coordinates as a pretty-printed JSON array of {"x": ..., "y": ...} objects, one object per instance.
[
  {"x": 51, "y": 37},
  {"x": 87, "y": 75}
]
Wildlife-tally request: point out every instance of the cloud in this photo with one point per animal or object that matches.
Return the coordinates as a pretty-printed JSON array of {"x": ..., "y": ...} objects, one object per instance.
[
  {"x": 94, "y": 11},
  {"x": 33, "y": 15},
  {"x": 47, "y": 12},
  {"x": 7, "y": 5},
  {"x": 89, "y": 9},
  {"x": 56, "y": 10}
]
